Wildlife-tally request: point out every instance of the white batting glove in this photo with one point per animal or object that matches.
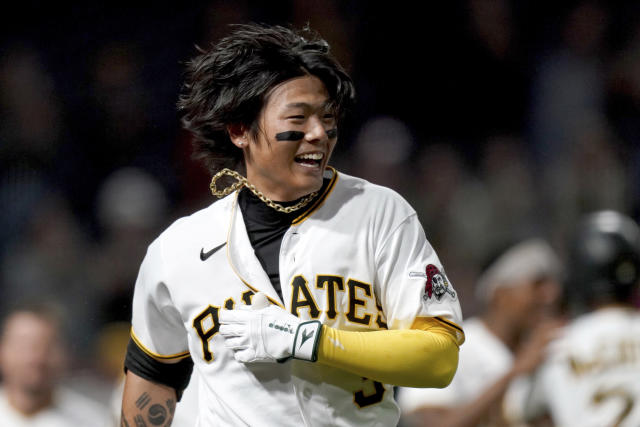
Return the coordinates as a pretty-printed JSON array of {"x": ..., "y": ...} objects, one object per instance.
[{"x": 263, "y": 332}]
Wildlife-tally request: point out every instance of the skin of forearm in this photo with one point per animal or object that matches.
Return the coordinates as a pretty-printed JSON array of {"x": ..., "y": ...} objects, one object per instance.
[
  {"x": 411, "y": 358},
  {"x": 146, "y": 404}
]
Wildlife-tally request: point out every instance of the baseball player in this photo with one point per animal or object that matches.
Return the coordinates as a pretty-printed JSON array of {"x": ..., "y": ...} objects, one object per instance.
[
  {"x": 303, "y": 294},
  {"x": 32, "y": 365},
  {"x": 592, "y": 374}
]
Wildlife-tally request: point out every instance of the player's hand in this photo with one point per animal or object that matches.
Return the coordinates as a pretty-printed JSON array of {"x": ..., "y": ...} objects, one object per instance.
[
  {"x": 534, "y": 350},
  {"x": 263, "y": 332}
]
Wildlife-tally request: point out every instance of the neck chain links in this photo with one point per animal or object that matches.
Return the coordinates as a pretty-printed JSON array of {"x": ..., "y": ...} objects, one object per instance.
[{"x": 243, "y": 182}]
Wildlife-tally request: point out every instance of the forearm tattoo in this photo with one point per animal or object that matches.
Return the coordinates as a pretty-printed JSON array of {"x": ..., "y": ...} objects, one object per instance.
[
  {"x": 139, "y": 421},
  {"x": 143, "y": 400},
  {"x": 157, "y": 414}
]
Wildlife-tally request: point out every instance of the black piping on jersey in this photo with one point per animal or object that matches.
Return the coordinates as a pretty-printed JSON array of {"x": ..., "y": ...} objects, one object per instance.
[
  {"x": 266, "y": 227},
  {"x": 156, "y": 355},
  {"x": 174, "y": 375},
  {"x": 326, "y": 190},
  {"x": 446, "y": 322}
]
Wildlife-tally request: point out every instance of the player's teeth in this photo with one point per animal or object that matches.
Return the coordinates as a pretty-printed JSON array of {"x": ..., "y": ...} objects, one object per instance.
[{"x": 314, "y": 156}]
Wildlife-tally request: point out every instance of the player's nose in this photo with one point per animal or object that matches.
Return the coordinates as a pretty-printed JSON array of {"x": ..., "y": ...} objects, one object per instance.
[{"x": 315, "y": 131}]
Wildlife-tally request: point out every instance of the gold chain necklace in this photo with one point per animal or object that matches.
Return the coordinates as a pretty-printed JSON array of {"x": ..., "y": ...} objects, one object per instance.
[{"x": 242, "y": 181}]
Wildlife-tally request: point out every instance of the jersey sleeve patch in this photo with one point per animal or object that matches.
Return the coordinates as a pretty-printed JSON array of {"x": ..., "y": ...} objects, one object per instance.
[{"x": 436, "y": 285}]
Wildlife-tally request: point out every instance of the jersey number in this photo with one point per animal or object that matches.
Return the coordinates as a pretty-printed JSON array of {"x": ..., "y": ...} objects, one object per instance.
[
  {"x": 373, "y": 394},
  {"x": 615, "y": 393}
]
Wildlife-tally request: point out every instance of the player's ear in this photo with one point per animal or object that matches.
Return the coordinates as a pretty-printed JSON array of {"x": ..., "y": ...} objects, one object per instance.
[{"x": 238, "y": 134}]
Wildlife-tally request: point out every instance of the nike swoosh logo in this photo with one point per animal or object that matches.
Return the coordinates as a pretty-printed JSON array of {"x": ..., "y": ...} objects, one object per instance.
[
  {"x": 305, "y": 337},
  {"x": 205, "y": 255}
]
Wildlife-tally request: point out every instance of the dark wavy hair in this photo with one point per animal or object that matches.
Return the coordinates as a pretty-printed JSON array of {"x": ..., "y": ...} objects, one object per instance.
[{"x": 228, "y": 84}]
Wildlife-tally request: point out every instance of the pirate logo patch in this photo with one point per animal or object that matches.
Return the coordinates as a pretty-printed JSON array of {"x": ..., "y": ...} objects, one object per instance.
[{"x": 437, "y": 284}]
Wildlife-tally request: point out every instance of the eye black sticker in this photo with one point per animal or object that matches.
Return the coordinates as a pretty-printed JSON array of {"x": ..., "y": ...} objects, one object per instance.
[
  {"x": 295, "y": 135},
  {"x": 291, "y": 135}
]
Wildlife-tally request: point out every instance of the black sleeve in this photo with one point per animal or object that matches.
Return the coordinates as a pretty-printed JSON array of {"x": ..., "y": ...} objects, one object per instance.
[{"x": 175, "y": 375}]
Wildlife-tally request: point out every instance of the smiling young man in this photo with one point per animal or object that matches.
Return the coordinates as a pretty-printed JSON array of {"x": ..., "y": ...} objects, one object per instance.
[
  {"x": 303, "y": 294},
  {"x": 297, "y": 135}
]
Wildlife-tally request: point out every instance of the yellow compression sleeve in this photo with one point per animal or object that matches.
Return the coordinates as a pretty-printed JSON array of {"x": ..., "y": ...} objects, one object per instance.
[{"x": 424, "y": 357}]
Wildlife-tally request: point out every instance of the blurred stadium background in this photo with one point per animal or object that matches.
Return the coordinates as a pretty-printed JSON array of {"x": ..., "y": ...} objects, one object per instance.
[{"x": 496, "y": 119}]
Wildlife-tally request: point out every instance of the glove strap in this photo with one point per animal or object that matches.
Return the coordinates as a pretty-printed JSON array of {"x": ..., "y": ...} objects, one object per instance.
[{"x": 305, "y": 343}]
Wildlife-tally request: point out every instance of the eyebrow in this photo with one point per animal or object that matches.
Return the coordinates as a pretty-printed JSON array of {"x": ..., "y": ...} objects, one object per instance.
[{"x": 325, "y": 104}]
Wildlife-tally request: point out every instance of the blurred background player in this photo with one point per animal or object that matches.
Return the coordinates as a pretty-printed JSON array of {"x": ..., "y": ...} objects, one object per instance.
[
  {"x": 592, "y": 374},
  {"x": 519, "y": 290},
  {"x": 32, "y": 361}
]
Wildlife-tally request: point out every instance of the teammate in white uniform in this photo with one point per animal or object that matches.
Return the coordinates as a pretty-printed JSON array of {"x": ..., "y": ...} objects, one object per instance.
[
  {"x": 592, "y": 375},
  {"x": 506, "y": 340},
  {"x": 303, "y": 311},
  {"x": 32, "y": 354}
]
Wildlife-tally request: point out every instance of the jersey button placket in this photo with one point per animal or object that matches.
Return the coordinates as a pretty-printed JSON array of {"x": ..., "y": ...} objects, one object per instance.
[
  {"x": 287, "y": 258},
  {"x": 288, "y": 244}
]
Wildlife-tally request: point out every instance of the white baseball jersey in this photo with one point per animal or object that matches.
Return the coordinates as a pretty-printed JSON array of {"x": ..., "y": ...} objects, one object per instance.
[
  {"x": 483, "y": 360},
  {"x": 68, "y": 408},
  {"x": 357, "y": 260},
  {"x": 592, "y": 375}
]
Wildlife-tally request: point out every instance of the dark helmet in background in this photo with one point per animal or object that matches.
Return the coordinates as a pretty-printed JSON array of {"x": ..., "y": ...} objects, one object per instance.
[{"x": 604, "y": 259}]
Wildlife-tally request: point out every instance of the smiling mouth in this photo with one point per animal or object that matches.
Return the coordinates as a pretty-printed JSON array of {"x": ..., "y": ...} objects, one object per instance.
[{"x": 310, "y": 160}]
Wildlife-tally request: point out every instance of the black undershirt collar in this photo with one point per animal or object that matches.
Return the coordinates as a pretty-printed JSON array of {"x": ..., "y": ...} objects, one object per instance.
[{"x": 266, "y": 228}]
